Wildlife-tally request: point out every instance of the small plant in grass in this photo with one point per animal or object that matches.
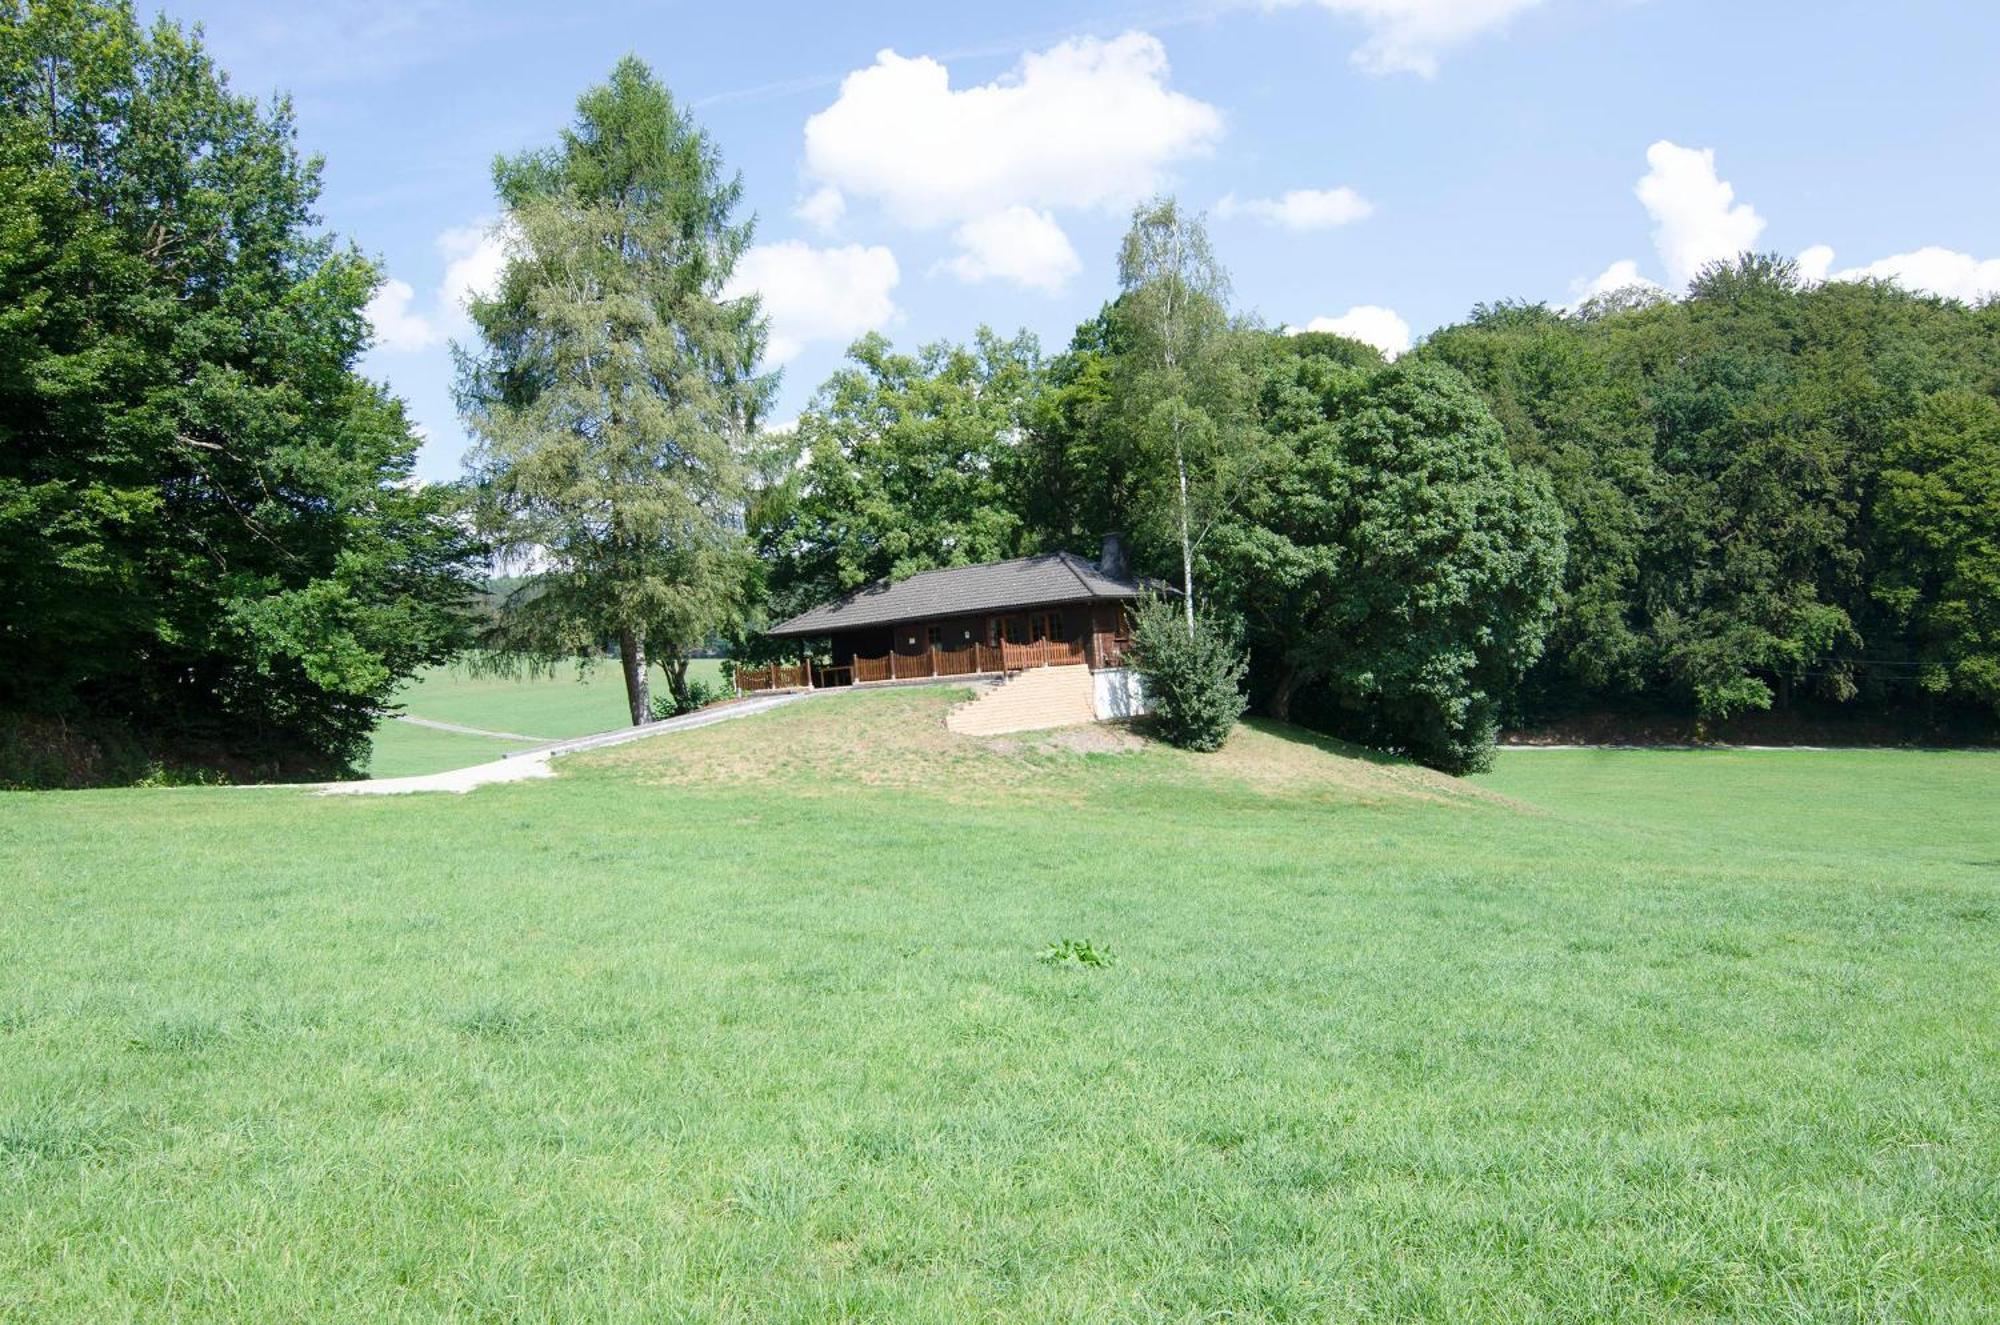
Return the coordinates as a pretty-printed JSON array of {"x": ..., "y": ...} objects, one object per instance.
[
  {"x": 1194, "y": 680},
  {"x": 1076, "y": 952}
]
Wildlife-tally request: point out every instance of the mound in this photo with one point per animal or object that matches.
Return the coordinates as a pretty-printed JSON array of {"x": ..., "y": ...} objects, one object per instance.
[{"x": 897, "y": 739}]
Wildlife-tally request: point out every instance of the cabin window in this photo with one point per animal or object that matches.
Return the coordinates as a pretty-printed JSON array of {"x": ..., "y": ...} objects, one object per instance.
[{"x": 933, "y": 635}]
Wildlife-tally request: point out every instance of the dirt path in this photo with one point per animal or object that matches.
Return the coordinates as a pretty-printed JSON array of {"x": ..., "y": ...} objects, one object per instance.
[{"x": 535, "y": 763}]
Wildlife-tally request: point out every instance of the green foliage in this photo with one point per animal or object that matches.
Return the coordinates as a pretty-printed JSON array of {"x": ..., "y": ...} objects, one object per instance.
[
  {"x": 694, "y": 693},
  {"x": 1755, "y": 489},
  {"x": 907, "y": 466},
  {"x": 1394, "y": 568},
  {"x": 1071, "y": 477},
  {"x": 1938, "y": 526},
  {"x": 208, "y": 533},
  {"x": 1194, "y": 678},
  {"x": 1077, "y": 952},
  {"x": 617, "y": 386}
]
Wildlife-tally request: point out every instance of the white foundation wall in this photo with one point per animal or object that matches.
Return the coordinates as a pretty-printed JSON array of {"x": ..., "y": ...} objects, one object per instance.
[{"x": 1120, "y": 693}]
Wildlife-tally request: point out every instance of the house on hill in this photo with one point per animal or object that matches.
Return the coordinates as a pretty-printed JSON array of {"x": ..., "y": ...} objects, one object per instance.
[{"x": 996, "y": 619}]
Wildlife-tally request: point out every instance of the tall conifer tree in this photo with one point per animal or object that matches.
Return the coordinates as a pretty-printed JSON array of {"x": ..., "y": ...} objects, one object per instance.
[{"x": 618, "y": 387}]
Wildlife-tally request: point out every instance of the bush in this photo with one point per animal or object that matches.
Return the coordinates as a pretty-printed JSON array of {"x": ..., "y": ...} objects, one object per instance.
[
  {"x": 700, "y": 694},
  {"x": 1195, "y": 685}
]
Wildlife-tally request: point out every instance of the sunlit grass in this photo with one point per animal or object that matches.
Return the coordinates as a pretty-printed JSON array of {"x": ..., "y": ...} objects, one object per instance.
[
  {"x": 1678, "y": 1036},
  {"x": 548, "y": 707}
]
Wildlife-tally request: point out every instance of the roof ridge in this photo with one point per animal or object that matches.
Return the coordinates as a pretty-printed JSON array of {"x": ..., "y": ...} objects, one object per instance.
[{"x": 1069, "y": 560}]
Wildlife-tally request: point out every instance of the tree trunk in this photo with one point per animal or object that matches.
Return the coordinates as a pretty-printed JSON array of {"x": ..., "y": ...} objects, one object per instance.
[
  {"x": 1187, "y": 542},
  {"x": 638, "y": 688},
  {"x": 1281, "y": 697},
  {"x": 677, "y": 682}
]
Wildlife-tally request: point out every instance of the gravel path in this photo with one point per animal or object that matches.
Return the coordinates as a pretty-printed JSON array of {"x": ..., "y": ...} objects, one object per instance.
[{"x": 535, "y": 763}]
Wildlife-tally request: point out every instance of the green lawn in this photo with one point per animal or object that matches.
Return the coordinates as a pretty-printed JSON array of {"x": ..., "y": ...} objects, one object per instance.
[
  {"x": 747, "y": 1024},
  {"x": 552, "y": 708}
]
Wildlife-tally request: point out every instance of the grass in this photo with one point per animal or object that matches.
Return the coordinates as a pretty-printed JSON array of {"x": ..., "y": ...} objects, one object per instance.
[
  {"x": 555, "y": 707},
  {"x": 1630, "y": 1036}
]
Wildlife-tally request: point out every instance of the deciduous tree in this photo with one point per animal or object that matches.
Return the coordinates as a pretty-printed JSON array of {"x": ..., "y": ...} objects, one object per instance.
[{"x": 209, "y": 533}]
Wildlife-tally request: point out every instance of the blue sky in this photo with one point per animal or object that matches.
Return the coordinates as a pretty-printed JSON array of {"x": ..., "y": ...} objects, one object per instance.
[{"x": 1380, "y": 164}]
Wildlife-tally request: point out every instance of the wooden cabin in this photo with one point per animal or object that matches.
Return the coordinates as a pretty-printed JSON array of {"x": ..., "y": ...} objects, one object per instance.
[{"x": 1053, "y": 610}]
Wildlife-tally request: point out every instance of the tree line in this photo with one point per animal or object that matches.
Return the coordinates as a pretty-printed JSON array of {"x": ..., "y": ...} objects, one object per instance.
[{"x": 1765, "y": 493}]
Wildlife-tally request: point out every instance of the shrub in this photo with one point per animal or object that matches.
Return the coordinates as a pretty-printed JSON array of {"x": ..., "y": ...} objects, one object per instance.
[
  {"x": 1194, "y": 683},
  {"x": 700, "y": 694}
]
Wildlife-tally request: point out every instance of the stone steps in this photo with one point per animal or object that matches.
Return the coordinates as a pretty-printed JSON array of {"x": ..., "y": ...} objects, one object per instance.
[{"x": 1029, "y": 701}]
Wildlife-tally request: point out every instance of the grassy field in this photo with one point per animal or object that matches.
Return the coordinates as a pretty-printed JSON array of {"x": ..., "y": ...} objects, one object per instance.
[
  {"x": 549, "y": 708},
  {"x": 750, "y": 1024}
]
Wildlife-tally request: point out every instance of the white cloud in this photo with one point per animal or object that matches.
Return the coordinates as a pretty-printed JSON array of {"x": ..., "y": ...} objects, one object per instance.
[
  {"x": 1696, "y": 217},
  {"x": 1370, "y": 324},
  {"x": 475, "y": 255},
  {"x": 1086, "y": 123},
  {"x": 814, "y": 294},
  {"x": 1408, "y": 36},
  {"x": 1931, "y": 270},
  {"x": 1623, "y": 274},
  {"x": 1301, "y": 209},
  {"x": 1019, "y": 244},
  {"x": 1815, "y": 261},
  {"x": 397, "y": 326},
  {"x": 823, "y": 210}
]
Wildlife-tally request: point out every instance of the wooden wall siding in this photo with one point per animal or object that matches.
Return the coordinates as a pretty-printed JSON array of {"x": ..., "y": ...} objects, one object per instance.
[{"x": 1109, "y": 634}]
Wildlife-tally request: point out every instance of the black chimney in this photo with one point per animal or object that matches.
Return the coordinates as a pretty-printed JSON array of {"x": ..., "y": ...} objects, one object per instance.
[{"x": 1112, "y": 562}]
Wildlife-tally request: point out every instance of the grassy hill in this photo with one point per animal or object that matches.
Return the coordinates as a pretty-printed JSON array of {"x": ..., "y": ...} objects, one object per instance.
[{"x": 753, "y": 1024}]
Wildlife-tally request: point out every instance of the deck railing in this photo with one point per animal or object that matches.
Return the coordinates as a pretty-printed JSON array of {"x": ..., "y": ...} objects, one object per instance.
[
  {"x": 777, "y": 676},
  {"x": 970, "y": 660}
]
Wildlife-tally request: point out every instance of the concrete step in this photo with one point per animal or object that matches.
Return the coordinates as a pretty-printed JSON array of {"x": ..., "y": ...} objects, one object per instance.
[{"x": 1029, "y": 701}]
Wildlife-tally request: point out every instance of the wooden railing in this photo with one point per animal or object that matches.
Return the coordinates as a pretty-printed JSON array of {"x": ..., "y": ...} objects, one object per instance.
[
  {"x": 971, "y": 660},
  {"x": 777, "y": 676},
  {"x": 1042, "y": 653}
]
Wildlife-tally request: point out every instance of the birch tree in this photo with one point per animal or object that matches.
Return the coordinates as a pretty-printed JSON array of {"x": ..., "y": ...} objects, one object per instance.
[
  {"x": 1183, "y": 395},
  {"x": 616, "y": 389}
]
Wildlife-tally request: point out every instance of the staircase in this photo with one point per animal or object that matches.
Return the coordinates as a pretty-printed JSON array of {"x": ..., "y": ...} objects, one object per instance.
[{"x": 1037, "y": 698}]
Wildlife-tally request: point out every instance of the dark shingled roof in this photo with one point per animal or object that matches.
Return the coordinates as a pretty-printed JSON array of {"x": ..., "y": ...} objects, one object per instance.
[{"x": 997, "y": 586}]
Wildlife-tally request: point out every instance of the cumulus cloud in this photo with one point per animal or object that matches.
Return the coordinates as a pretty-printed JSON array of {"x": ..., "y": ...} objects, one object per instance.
[
  {"x": 399, "y": 327},
  {"x": 1408, "y": 36},
  {"x": 1696, "y": 217},
  {"x": 1086, "y": 124},
  {"x": 1020, "y": 245},
  {"x": 823, "y": 210},
  {"x": 1930, "y": 270},
  {"x": 1698, "y": 220},
  {"x": 1301, "y": 209},
  {"x": 1815, "y": 262},
  {"x": 1623, "y": 274},
  {"x": 1370, "y": 324},
  {"x": 814, "y": 294},
  {"x": 475, "y": 255}
]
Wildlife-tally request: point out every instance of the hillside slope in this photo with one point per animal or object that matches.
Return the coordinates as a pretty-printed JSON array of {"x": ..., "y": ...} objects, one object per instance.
[{"x": 898, "y": 739}]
